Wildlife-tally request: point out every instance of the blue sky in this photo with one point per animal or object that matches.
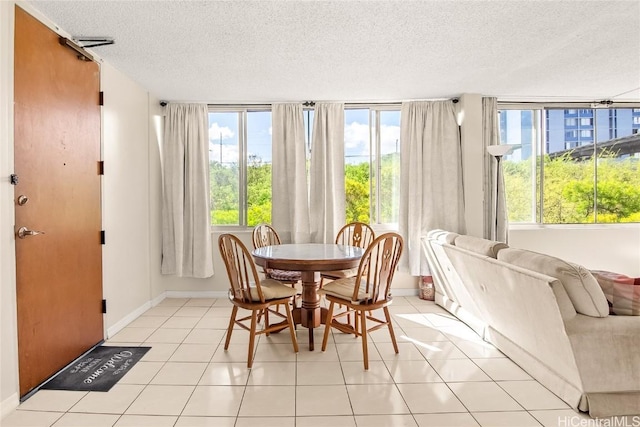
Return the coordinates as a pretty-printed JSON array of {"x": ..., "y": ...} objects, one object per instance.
[{"x": 224, "y": 128}]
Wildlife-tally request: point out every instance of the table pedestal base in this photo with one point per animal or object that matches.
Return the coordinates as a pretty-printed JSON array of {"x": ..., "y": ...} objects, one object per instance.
[
  {"x": 309, "y": 319},
  {"x": 310, "y": 315}
]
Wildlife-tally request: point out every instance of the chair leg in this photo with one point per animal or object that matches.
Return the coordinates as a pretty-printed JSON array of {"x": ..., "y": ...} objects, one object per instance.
[
  {"x": 252, "y": 337},
  {"x": 365, "y": 352},
  {"x": 266, "y": 318},
  {"x": 356, "y": 322},
  {"x": 393, "y": 335},
  {"x": 232, "y": 323},
  {"x": 327, "y": 326},
  {"x": 291, "y": 328}
]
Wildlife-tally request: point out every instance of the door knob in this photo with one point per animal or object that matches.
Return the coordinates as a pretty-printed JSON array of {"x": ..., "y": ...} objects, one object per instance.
[{"x": 23, "y": 232}]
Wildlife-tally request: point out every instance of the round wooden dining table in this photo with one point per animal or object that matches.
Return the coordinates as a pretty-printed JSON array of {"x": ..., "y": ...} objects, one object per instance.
[{"x": 310, "y": 259}]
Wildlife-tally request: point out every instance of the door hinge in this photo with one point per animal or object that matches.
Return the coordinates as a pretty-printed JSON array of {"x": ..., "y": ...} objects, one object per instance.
[
  {"x": 101, "y": 98},
  {"x": 102, "y": 237},
  {"x": 104, "y": 306},
  {"x": 13, "y": 179},
  {"x": 101, "y": 167}
]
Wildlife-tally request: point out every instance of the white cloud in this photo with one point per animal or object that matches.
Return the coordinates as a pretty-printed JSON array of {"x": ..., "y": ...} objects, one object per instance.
[
  {"x": 388, "y": 137},
  {"x": 215, "y": 131},
  {"x": 228, "y": 153},
  {"x": 356, "y": 135},
  {"x": 356, "y": 138}
]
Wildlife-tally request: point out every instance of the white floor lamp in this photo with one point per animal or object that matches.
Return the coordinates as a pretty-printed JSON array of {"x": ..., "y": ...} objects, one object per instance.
[{"x": 497, "y": 151}]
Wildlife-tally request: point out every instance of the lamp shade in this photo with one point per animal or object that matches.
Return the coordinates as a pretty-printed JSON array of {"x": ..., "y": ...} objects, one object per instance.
[{"x": 499, "y": 150}]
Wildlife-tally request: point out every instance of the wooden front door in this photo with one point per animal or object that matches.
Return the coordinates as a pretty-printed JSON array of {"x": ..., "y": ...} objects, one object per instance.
[{"x": 57, "y": 150}]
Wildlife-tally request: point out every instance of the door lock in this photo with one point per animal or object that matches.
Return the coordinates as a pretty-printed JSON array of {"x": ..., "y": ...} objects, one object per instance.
[
  {"x": 22, "y": 200},
  {"x": 23, "y": 232}
]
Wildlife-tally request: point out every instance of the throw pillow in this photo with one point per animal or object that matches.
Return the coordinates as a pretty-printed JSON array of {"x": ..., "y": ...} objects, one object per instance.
[{"x": 622, "y": 292}]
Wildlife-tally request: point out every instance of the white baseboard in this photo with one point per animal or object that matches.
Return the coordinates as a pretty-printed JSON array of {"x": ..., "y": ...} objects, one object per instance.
[
  {"x": 8, "y": 405},
  {"x": 404, "y": 292},
  {"x": 157, "y": 300},
  {"x": 122, "y": 323}
]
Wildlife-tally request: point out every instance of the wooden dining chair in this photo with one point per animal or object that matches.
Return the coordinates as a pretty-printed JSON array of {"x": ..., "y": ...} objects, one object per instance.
[
  {"x": 366, "y": 292},
  {"x": 248, "y": 292},
  {"x": 353, "y": 234},
  {"x": 266, "y": 235}
]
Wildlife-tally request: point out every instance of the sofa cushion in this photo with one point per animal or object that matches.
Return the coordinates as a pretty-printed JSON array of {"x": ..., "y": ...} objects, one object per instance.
[
  {"x": 622, "y": 292},
  {"x": 442, "y": 236},
  {"x": 581, "y": 286},
  {"x": 480, "y": 246}
]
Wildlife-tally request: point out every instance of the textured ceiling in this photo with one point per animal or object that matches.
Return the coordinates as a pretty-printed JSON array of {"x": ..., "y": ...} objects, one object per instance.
[{"x": 269, "y": 51}]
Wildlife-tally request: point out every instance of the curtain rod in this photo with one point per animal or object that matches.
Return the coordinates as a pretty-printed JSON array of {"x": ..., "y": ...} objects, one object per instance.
[{"x": 306, "y": 104}]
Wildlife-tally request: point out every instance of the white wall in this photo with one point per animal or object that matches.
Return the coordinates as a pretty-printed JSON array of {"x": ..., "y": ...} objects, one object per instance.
[
  {"x": 612, "y": 248},
  {"x": 8, "y": 329},
  {"x": 125, "y": 202}
]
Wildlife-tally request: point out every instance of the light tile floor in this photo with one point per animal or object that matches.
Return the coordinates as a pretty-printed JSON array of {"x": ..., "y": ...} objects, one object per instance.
[{"x": 444, "y": 375}]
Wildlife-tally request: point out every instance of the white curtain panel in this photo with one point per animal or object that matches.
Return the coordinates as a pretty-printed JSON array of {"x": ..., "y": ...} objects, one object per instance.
[
  {"x": 326, "y": 191},
  {"x": 496, "y": 218},
  {"x": 186, "y": 230},
  {"x": 431, "y": 192},
  {"x": 289, "y": 201}
]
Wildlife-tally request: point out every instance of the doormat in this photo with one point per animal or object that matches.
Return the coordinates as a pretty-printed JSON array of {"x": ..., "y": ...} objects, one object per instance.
[{"x": 98, "y": 370}]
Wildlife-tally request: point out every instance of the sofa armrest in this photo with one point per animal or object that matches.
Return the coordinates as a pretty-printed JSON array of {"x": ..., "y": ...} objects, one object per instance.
[{"x": 606, "y": 351}]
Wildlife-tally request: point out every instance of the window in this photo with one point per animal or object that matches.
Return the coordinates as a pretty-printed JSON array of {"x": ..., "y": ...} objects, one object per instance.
[
  {"x": 572, "y": 134},
  {"x": 551, "y": 178},
  {"x": 521, "y": 128},
  {"x": 586, "y": 122},
  {"x": 240, "y": 167},
  {"x": 571, "y": 122},
  {"x": 240, "y": 164},
  {"x": 372, "y": 165}
]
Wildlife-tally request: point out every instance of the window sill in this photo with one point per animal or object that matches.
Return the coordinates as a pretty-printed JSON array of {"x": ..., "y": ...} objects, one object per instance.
[{"x": 599, "y": 226}]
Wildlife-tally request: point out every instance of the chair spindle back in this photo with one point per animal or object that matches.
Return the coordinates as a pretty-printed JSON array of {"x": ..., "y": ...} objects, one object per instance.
[
  {"x": 377, "y": 267},
  {"x": 240, "y": 268},
  {"x": 264, "y": 235},
  {"x": 355, "y": 234}
]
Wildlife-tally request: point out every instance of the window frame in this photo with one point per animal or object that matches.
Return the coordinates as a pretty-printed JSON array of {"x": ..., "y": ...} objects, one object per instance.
[
  {"x": 577, "y": 108},
  {"x": 243, "y": 162},
  {"x": 375, "y": 145},
  {"x": 374, "y": 141}
]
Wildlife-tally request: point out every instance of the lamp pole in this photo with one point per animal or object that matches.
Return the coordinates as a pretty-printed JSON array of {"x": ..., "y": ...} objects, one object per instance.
[
  {"x": 498, "y": 151},
  {"x": 495, "y": 225}
]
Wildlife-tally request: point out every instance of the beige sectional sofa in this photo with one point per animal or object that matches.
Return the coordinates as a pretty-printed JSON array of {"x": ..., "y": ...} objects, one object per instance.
[{"x": 549, "y": 316}]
